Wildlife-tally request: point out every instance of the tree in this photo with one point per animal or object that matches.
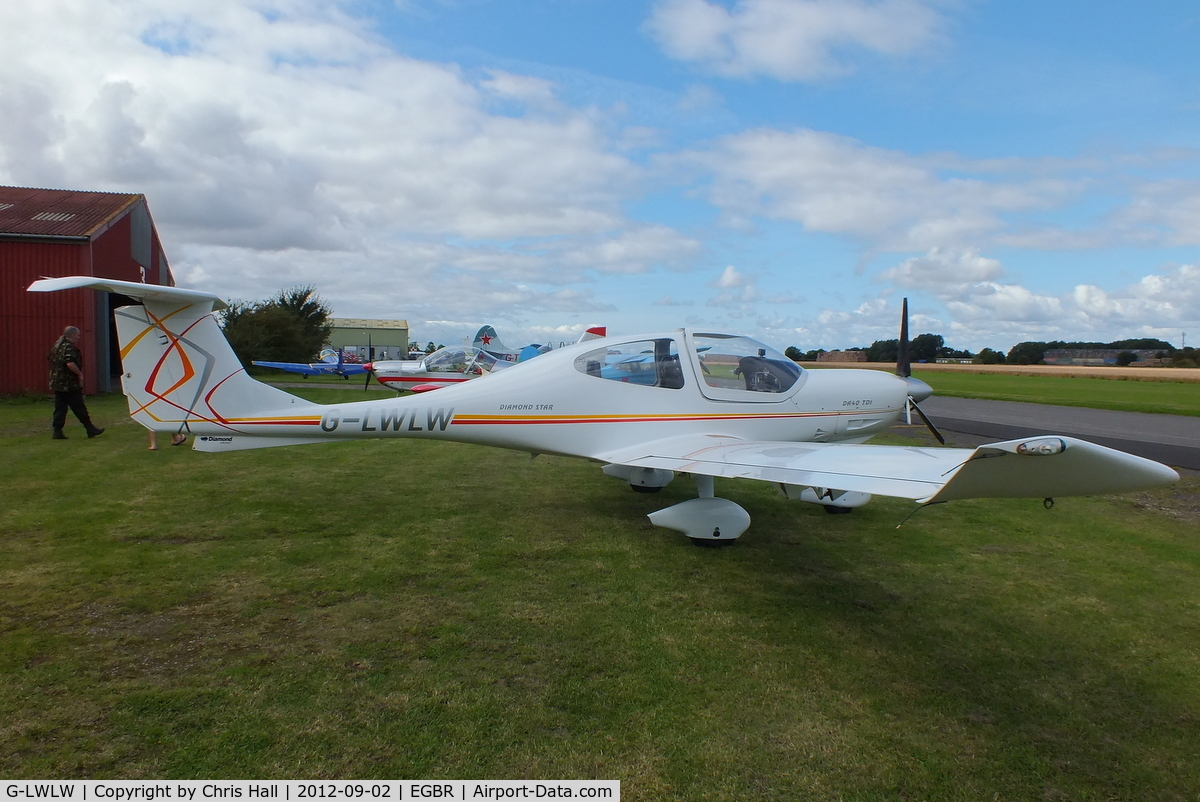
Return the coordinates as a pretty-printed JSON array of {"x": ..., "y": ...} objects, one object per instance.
[
  {"x": 987, "y": 356},
  {"x": 883, "y": 351},
  {"x": 1185, "y": 358},
  {"x": 311, "y": 311},
  {"x": 290, "y": 327},
  {"x": 925, "y": 347},
  {"x": 793, "y": 353},
  {"x": 1144, "y": 344},
  {"x": 1026, "y": 353},
  {"x": 1126, "y": 358}
]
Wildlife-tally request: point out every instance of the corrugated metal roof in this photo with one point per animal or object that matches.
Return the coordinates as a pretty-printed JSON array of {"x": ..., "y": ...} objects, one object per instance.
[{"x": 29, "y": 212}]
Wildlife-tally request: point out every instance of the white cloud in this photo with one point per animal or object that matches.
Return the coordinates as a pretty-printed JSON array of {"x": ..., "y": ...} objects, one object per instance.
[
  {"x": 285, "y": 127},
  {"x": 737, "y": 290},
  {"x": 522, "y": 88},
  {"x": 986, "y": 312},
  {"x": 1169, "y": 299},
  {"x": 699, "y": 98},
  {"x": 942, "y": 272},
  {"x": 988, "y": 301},
  {"x": 790, "y": 40},
  {"x": 889, "y": 199},
  {"x": 635, "y": 249},
  {"x": 667, "y": 300},
  {"x": 1167, "y": 209},
  {"x": 731, "y": 278}
]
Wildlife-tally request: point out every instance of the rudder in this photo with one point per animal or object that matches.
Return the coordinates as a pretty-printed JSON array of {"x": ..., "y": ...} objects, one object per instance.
[{"x": 178, "y": 370}]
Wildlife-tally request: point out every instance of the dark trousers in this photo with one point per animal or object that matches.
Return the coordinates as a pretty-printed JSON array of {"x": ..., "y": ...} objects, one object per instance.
[{"x": 72, "y": 399}]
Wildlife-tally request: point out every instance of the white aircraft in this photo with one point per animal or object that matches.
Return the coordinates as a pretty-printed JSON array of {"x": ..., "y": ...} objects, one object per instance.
[
  {"x": 448, "y": 365},
  {"x": 457, "y": 363},
  {"x": 487, "y": 340},
  {"x": 645, "y": 407}
]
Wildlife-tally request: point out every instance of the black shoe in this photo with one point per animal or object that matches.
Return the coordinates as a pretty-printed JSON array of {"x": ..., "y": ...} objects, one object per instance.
[
  {"x": 58, "y": 435},
  {"x": 95, "y": 433}
]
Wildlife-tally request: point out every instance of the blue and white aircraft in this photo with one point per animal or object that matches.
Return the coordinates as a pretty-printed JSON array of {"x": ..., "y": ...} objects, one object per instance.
[{"x": 330, "y": 363}]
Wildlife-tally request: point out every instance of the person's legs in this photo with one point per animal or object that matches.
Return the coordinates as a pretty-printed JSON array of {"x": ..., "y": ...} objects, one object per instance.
[
  {"x": 75, "y": 400},
  {"x": 60, "y": 415}
]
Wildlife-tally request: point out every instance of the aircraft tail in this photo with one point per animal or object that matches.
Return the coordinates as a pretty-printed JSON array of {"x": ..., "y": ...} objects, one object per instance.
[
  {"x": 487, "y": 340},
  {"x": 593, "y": 333},
  {"x": 179, "y": 373}
]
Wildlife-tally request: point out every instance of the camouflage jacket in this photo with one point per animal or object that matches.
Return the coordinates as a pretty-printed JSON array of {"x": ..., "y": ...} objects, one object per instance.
[{"x": 62, "y": 378}]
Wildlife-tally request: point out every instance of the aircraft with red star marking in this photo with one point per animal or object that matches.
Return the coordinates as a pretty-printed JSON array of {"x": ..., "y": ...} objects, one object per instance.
[{"x": 456, "y": 364}]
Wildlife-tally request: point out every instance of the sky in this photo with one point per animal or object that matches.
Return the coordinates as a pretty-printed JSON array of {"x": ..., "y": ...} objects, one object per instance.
[{"x": 784, "y": 169}]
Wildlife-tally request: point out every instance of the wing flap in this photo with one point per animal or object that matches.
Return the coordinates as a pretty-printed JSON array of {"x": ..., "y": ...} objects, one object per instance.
[{"x": 902, "y": 472}]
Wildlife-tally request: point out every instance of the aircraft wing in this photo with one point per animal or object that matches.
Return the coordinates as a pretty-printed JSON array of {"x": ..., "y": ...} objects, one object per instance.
[
  {"x": 293, "y": 367},
  {"x": 1033, "y": 467},
  {"x": 315, "y": 369},
  {"x": 347, "y": 369}
]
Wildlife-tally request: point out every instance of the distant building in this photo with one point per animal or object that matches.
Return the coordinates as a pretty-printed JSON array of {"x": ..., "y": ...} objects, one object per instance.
[
  {"x": 356, "y": 335},
  {"x": 47, "y": 233},
  {"x": 1095, "y": 357},
  {"x": 842, "y": 356}
]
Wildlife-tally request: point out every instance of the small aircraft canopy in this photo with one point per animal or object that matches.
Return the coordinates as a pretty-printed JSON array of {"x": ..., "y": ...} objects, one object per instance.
[
  {"x": 732, "y": 366},
  {"x": 459, "y": 359},
  {"x": 650, "y": 363}
]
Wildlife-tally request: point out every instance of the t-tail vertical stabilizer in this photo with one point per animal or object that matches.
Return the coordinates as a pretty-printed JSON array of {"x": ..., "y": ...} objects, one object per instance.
[
  {"x": 486, "y": 339},
  {"x": 179, "y": 373}
]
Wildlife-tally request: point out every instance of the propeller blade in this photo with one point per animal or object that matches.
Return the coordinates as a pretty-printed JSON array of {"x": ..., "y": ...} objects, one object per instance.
[
  {"x": 902, "y": 363},
  {"x": 370, "y": 363},
  {"x": 928, "y": 423}
]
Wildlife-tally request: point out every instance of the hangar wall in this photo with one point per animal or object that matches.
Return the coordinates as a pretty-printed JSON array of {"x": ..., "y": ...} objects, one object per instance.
[{"x": 52, "y": 233}]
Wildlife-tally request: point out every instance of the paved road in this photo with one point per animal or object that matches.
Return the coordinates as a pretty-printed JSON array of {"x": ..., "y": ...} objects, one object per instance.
[{"x": 1170, "y": 439}]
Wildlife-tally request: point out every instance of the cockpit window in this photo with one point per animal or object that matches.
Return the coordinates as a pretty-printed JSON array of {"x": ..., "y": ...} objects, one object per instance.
[
  {"x": 651, "y": 363},
  {"x": 455, "y": 359},
  {"x": 740, "y": 363}
]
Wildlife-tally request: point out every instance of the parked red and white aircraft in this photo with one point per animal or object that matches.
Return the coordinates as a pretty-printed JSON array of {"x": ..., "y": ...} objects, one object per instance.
[
  {"x": 487, "y": 340},
  {"x": 458, "y": 363},
  {"x": 705, "y": 404}
]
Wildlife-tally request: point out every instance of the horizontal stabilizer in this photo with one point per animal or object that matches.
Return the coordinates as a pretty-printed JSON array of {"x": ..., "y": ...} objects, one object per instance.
[{"x": 143, "y": 292}]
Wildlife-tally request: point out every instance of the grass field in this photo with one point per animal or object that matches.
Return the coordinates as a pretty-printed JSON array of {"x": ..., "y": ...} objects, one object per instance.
[
  {"x": 1171, "y": 398},
  {"x": 290, "y": 613}
]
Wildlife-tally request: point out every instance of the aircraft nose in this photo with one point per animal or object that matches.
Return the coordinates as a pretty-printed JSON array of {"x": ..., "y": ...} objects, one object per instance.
[
  {"x": 918, "y": 389},
  {"x": 369, "y": 366}
]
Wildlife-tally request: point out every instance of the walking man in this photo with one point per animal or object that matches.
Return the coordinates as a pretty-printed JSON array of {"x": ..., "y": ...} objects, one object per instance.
[{"x": 66, "y": 380}]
